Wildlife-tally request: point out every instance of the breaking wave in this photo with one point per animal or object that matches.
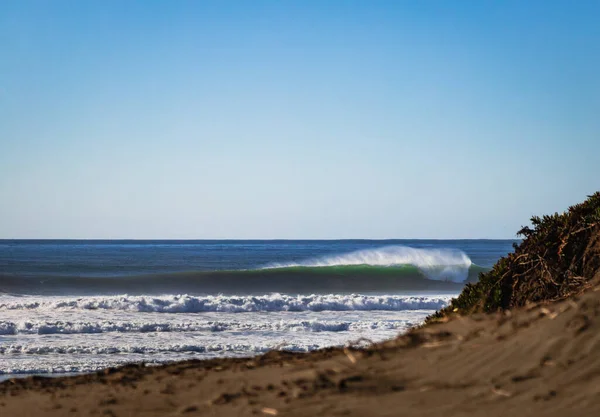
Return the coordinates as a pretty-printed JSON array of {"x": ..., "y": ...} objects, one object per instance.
[
  {"x": 390, "y": 269},
  {"x": 231, "y": 304},
  {"x": 41, "y": 327},
  {"x": 436, "y": 264}
]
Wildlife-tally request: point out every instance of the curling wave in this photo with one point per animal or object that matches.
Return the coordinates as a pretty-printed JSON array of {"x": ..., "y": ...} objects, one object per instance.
[
  {"x": 389, "y": 269},
  {"x": 436, "y": 264}
]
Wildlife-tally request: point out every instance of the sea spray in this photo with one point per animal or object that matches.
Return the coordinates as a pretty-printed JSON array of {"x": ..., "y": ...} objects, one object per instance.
[{"x": 437, "y": 264}]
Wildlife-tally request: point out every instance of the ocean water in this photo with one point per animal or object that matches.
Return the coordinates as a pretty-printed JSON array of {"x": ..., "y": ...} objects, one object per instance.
[{"x": 80, "y": 306}]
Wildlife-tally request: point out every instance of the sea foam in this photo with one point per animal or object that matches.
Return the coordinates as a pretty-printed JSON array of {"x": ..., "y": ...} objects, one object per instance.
[
  {"x": 230, "y": 304},
  {"x": 65, "y": 327}
]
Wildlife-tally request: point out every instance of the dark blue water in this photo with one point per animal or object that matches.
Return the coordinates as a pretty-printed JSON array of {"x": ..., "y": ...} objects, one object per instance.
[{"x": 114, "y": 258}]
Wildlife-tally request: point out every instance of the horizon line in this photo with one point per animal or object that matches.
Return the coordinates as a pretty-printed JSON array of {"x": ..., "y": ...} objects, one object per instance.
[{"x": 240, "y": 239}]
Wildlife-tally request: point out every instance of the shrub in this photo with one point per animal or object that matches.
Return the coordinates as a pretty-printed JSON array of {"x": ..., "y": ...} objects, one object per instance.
[{"x": 558, "y": 255}]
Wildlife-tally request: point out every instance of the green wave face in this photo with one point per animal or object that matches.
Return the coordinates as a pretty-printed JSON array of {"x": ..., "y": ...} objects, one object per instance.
[
  {"x": 341, "y": 269},
  {"x": 389, "y": 269},
  {"x": 338, "y": 279},
  {"x": 370, "y": 271}
]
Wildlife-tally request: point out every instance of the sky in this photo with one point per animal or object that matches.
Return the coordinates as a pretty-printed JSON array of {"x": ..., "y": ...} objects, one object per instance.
[{"x": 295, "y": 119}]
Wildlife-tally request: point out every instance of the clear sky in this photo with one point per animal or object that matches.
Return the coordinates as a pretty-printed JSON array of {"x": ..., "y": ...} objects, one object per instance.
[{"x": 295, "y": 119}]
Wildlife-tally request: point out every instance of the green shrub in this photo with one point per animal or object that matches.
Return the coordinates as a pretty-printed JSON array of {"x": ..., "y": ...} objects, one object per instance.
[{"x": 548, "y": 264}]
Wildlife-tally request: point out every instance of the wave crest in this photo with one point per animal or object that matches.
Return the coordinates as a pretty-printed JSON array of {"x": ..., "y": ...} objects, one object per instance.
[
  {"x": 233, "y": 304},
  {"x": 437, "y": 264}
]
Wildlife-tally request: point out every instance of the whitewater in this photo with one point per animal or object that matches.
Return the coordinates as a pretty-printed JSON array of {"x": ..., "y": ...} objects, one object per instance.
[{"x": 81, "y": 306}]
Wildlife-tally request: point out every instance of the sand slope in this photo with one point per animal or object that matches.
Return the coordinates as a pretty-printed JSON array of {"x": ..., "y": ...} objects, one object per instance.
[{"x": 541, "y": 361}]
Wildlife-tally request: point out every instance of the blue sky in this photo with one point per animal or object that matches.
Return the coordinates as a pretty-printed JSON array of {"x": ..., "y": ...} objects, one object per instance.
[{"x": 305, "y": 119}]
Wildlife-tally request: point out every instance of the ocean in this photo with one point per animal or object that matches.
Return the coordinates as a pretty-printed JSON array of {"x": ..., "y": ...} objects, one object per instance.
[{"x": 71, "y": 306}]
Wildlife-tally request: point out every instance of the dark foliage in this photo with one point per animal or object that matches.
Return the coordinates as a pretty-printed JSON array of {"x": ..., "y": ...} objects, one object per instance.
[{"x": 557, "y": 257}]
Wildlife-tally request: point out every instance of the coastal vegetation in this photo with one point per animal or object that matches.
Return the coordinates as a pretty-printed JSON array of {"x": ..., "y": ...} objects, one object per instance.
[{"x": 558, "y": 257}]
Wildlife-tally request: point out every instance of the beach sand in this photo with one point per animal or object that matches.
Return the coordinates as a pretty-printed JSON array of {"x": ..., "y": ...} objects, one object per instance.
[{"x": 539, "y": 361}]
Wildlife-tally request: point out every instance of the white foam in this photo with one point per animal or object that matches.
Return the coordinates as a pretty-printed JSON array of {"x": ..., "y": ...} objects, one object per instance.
[
  {"x": 73, "y": 358},
  {"x": 148, "y": 350},
  {"x": 60, "y": 334},
  {"x": 231, "y": 304},
  {"x": 438, "y": 264},
  {"x": 45, "y": 327}
]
